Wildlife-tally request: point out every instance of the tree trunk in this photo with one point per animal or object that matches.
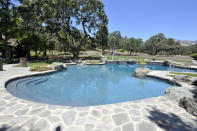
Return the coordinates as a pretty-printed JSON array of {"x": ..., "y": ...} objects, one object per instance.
[
  {"x": 103, "y": 50},
  {"x": 75, "y": 52},
  {"x": 45, "y": 50},
  {"x": 75, "y": 55},
  {"x": 36, "y": 54},
  {"x": 28, "y": 54},
  {"x": 8, "y": 54},
  {"x": 130, "y": 53}
]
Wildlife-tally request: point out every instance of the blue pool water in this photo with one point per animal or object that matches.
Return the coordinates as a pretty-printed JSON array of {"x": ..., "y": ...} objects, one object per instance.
[{"x": 89, "y": 85}]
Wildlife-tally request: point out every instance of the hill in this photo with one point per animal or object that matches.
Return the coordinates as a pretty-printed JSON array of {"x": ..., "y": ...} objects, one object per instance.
[{"x": 187, "y": 42}]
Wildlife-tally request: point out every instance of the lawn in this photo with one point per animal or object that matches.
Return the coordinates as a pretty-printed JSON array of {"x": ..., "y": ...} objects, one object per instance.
[
  {"x": 126, "y": 57},
  {"x": 157, "y": 58},
  {"x": 37, "y": 66},
  {"x": 92, "y": 61}
]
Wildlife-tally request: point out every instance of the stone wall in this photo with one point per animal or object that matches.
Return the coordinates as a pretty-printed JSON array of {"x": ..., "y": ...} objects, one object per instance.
[
  {"x": 121, "y": 62},
  {"x": 155, "y": 62}
]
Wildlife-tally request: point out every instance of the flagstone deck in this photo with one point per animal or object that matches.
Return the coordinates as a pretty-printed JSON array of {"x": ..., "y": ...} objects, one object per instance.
[{"x": 154, "y": 114}]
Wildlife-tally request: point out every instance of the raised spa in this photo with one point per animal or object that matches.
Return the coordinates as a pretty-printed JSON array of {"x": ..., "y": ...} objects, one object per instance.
[{"x": 89, "y": 85}]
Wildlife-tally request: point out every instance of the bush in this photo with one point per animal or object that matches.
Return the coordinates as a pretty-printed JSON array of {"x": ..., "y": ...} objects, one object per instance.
[
  {"x": 162, "y": 53},
  {"x": 142, "y": 62},
  {"x": 0, "y": 54},
  {"x": 93, "y": 61},
  {"x": 121, "y": 50},
  {"x": 194, "y": 56},
  {"x": 90, "y": 57},
  {"x": 40, "y": 68}
]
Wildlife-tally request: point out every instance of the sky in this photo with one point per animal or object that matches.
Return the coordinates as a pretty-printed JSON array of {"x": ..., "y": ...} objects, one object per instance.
[{"x": 144, "y": 18}]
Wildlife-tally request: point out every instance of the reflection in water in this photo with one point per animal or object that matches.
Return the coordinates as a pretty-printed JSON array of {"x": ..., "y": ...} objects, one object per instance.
[{"x": 141, "y": 82}]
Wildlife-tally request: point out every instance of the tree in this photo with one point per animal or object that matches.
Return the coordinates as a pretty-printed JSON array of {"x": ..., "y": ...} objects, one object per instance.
[
  {"x": 139, "y": 45},
  {"x": 114, "y": 39},
  {"x": 154, "y": 44},
  {"x": 7, "y": 24},
  {"x": 123, "y": 42},
  {"x": 133, "y": 45},
  {"x": 31, "y": 26},
  {"x": 75, "y": 22},
  {"x": 102, "y": 37}
]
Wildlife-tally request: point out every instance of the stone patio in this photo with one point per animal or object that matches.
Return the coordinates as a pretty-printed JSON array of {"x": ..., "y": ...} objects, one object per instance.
[{"x": 154, "y": 114}]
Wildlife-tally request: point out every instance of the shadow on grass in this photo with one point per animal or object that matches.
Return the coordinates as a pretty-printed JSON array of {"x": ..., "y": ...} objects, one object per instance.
[{"x": 171, "y": 122}]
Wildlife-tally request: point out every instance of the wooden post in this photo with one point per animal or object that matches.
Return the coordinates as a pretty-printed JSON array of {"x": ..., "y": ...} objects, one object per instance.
[{"x": 23, "y": 62}]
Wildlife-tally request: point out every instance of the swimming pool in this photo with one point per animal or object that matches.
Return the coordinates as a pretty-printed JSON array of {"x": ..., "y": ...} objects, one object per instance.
[{"x": 89, "y": 85}]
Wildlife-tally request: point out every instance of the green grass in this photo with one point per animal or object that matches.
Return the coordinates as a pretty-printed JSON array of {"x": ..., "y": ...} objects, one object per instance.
[
  {"x": 55, "y": 53},
  {"x": 178, "y": 73},
  {"x": 184, "y": 61},
  {"x": 142, "y": 58},
  {"x": 132, "y": 57},
  {"x": 126, "y": 57},
  {"x": 37, "y": 66}
]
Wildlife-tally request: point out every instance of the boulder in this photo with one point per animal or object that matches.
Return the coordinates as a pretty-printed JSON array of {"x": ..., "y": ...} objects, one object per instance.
[
  {"x": 169, "y": 63},
  {"x": 175, "y": 93},
  {"x": 59, "y": 66},
  {"x": 141, "y": 72},
  {"x": 78, "y": 61},
  {"x": 182, "y": 78},
  {"x": 190, "y": 104},
  {"x": 82, "y": 63},
  {"x": 103, "y": 60}
]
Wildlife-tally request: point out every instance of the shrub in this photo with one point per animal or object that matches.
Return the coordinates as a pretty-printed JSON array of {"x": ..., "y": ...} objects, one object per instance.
[
  {"x": 0, "y": 54},
  {"x": 162, "y": 53},
  {"x": 121, "y": 50},
  {"x": 40, "y": 68},
  {"x": 194, "y": 56},
  {"x": 93, "y": 61},
  {"x": 90, "y": 57},
  {"x": 142, "y": 62}
]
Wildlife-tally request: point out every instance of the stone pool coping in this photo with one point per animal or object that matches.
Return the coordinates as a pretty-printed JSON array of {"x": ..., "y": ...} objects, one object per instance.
[
  {"x": 137, "y": 115},
  {"x": 148, "y": 62}
]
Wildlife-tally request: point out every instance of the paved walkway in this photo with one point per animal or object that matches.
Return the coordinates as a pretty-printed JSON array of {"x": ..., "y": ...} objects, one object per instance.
[{"x": 153, "y": 114}]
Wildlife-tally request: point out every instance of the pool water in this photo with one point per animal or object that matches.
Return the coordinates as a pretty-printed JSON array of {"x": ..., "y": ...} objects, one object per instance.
[{"x": 89, "y": 85}]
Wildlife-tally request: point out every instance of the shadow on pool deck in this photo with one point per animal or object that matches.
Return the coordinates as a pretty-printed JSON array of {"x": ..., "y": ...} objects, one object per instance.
[
  {"x": 10, "y": 128},
  {"x": 171, "y": 122},
  {"x": 13, "y": 128}
]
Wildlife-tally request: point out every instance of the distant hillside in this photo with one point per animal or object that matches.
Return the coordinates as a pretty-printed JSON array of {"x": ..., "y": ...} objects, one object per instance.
[{"x": 187, "y": 42}]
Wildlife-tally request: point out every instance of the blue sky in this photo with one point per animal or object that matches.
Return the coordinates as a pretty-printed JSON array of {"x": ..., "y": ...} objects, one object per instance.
[{"x": 144, "y": 18}]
